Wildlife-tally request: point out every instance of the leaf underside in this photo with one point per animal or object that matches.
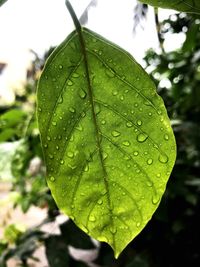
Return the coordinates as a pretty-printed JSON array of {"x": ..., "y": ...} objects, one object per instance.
[
  {"x": 189, "y": 6},
  {"x": 107, "y": 141}
]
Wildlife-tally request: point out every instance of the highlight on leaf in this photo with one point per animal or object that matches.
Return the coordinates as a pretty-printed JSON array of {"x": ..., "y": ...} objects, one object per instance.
[
  {"x": 189, "y": 6},
  {"x": 107, "y": 140}
]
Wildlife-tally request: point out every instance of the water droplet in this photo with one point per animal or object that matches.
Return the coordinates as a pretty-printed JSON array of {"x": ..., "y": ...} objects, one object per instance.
[
  {"x": 137, "y": 171},
  {"x": 100, "y": 201},
  {"x": 48, "y": 138},
  {"x": 54, "y": 123},
  {"x": 139, "y": 122},
  {"x": 142, "y": 137},
  {"x": 138, "y": 224},
  {"x": 100, "y": 52},
  {"x": 149, "y": 161},
  {"x": 114, "y": 93},
  {"x": 60, "y": 100},
  {"x": 72, "y": 166},
  {"x": 149, "y": 183},
  {"x": 126, "y": 143},
  {"x": 60, "y": 67},
  {"x": 39, "y": 109},
  {"x": 113, "y": 230},
  {"x": 122, "y": 98},
  {"x": 166, "y": 137},
  {"x": 103, "y": 122},
  {"x": 45, "y": 145},
  {"x": 75, "y": 75},
  {"x": 158, "y": 175},
  {"x": 72, "y": 110},
  {"x": 104, "y": 155},
  {"x": 62, "y": 162},
  {"x": 159, "y": 112},
  {"x": 97, "y": 109},
  {"x": 86, "y": 169},
  {"x": 51, "y": 156},
  {"x": 82, "y": 94},
  {"x": 52, "y": 179},
  {"x": 155, "y": 199},
  {"x": 129, "y": 124},
  {"x": 57, "y": 147},
  {"x": 135, "y": 153},
  {"x": 110, "y": 73},
  {"x": 150, "y": 114},
  {"x": 70, "y": 83},
  {"x": 70, "y": 154},
  {"x": 163, "y": 158},
  {"x": 54, "y": 79},
  {"x": 115, "y": 133},
  {"x": 92, "y": 218}
]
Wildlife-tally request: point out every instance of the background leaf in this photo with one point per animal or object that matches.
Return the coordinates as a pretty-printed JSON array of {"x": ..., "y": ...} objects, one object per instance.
[
  {"x": 2, "y": 2},
  {"x": 190, "y": 6},
  {"x": 107, "y": 140}
]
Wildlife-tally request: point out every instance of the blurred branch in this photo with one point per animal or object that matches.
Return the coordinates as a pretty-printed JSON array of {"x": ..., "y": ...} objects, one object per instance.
[
  {"x": 140, "y": 13},
  {"x": 160, "y": 39},
  {"x": 84, "y": 17}
]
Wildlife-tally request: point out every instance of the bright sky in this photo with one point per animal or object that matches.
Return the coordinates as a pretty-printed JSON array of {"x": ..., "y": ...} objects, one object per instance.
[{"x": 39, "y": 24}]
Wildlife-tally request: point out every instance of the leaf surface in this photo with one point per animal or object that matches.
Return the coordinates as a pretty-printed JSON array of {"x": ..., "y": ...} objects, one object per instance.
[
  {"x": 107, "y": 140},
  {"x": 189, "y": 6}
]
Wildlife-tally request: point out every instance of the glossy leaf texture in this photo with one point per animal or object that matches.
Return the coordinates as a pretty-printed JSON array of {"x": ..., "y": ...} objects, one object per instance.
[
  {"x": 107, "y": 141},
  {"x": 189, "y": 6}
]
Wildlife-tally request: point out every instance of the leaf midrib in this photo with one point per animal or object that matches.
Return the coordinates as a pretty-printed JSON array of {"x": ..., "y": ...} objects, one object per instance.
[{"x": 97, "y": 129}]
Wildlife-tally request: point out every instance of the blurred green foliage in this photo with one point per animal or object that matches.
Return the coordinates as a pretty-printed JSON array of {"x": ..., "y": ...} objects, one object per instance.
[{"x": 171, "y": 239}]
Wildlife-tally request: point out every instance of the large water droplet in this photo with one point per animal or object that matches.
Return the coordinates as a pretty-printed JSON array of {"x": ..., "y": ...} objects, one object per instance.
[
  {"x": 48, "y": 138},
  {"x": 166, "y": 137},
  {"x": 110, "y": 73},
  {"x": 135, "y": 153},
  {"x": 54, "y": 123},
  {"x": 126, "y": 143},
  {"x": 70, "y": 83},
  {"x": 163, "y": 158},
  {"x": 62, "y": 162},
  {"x": 70, "y": 154},
  {"x": 139, "y": 122},
  {"x": 82, "y": 94},
  {"x": 86, "y": 169},
  {"x": 72, "y": 110},
  {"x": 92, "y": 218},
  {"x": 100, "y": 201},
  {"x": 113, "y": 230},
  {"x": 155, "y": 199},
  {"x": 115, "y": 133},
  {"x": 60, "y": 100},
  {"x": 52, "y": 179},
  {"x": 104, "y": 155},
  {"x": 142, "y": 137},
  {"x": 149, "y": 161},
  {"x": 75, "y": 75},
  {"x": 60, "y": 67},
  {"x": 114, "y": 92},
  {"x": 129, "y": 124}
]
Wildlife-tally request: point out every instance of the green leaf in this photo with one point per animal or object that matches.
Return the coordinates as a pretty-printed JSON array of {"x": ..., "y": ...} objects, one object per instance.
[
  {"x": 190, "y": 6},
  {"x": 2, "y": 2},
  {"x": 107, "y": 141}
]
